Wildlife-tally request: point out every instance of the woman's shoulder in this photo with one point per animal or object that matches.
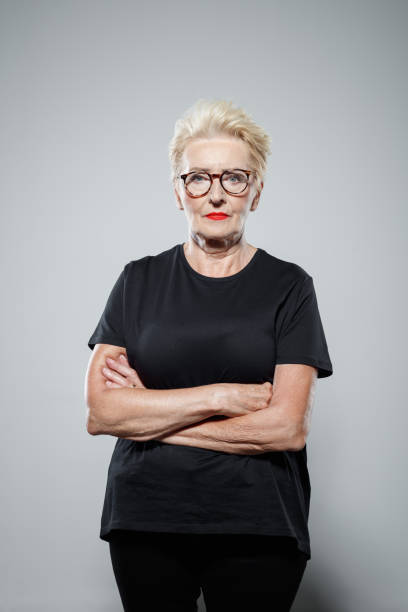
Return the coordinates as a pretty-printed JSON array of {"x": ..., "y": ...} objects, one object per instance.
[
  {"x": 155, "y": 260},
  {"x": 284, "y": 269}
]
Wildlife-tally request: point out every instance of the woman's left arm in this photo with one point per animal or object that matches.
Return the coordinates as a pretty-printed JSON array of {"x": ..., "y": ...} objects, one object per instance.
[{"x": 284, "y": 425}]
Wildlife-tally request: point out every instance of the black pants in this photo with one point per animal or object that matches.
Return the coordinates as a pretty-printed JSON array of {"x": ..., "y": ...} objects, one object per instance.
[{"x": 166, "y": 571}]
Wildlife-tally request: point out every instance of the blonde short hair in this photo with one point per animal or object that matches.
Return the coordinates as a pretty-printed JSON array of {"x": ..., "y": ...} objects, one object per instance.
[{"x": 208, "y": 118}]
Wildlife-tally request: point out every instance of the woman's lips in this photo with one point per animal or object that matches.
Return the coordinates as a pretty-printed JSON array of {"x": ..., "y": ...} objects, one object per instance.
[{"x": 217, "y": 216}]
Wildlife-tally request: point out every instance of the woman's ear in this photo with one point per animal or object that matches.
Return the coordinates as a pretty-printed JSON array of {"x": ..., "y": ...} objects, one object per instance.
[
  {"x": 178, "y": 200},
  {"x": 255, "y": 201}
]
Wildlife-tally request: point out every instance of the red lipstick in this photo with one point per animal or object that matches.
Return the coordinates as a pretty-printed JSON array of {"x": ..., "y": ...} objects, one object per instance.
[{"x": 217, "y": 216}]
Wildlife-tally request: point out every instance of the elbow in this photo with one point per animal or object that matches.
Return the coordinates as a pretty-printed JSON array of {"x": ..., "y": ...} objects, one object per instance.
[
  {"x": 92, "y": 426},
  {"x": 289, "y": 437},
  {"x": 298, "y": 443},
  {"x": 96, "y": 421},
  {"x": 92, "y": 407},
  {"x": 294, "y": 433},
  {"x": 296, "y": 438},
  {"x": 92, "y": 423}
]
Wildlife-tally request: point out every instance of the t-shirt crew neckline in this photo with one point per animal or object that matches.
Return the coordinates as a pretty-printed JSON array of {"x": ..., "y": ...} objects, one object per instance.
[{"x": 217, "y": 279}]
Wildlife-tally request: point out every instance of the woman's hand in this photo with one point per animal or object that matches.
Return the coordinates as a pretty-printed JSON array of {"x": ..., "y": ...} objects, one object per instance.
[
  {"x": 118, "y": 374},
  {"x": 237, "y": 399}
]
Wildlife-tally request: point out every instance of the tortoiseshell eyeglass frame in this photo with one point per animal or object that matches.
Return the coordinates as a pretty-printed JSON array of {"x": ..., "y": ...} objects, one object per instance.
[{"x": 212, "y": 177}]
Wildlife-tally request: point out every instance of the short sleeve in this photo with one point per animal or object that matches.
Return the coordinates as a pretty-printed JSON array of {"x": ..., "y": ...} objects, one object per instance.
[
  {"x": 300, "y": 337},
  {"x": 110, "y": 328}
]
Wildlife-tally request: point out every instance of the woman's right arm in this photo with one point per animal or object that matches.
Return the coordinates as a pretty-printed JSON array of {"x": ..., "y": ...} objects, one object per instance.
[
  {"x": 145, "y": 414},
  {"x": 139, "y": 412}
]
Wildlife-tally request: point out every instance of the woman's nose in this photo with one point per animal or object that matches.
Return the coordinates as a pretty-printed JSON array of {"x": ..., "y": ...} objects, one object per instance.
[{"x": 217, "y": 191}]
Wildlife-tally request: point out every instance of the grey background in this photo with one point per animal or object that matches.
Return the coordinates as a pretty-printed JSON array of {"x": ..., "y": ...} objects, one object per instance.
[{"x": 90, "y": 94}]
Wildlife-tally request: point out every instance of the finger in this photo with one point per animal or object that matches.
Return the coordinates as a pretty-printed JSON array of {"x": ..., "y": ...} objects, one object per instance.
[
  {"x": 126, "y": 370},
  {"x": 119, "y": 366},
  {"x": 112, "y": 385},
  {"x": 114, "y": 376}
]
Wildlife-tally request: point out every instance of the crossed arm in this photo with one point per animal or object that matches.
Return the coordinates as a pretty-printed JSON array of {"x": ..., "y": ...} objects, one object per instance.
[
  {"x": 249, "y": 434},
  {"x": 283, "y": 425}
]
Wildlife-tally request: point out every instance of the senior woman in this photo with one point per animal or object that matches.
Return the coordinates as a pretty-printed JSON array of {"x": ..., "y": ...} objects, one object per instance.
[{"x": 204, "y": 367}]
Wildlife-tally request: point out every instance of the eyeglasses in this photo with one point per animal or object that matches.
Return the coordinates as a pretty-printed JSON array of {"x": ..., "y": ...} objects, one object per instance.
[{"x": 233, "y": 182}]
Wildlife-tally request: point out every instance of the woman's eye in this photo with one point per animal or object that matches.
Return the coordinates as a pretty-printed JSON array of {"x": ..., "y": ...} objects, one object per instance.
[{"x": 234, "y": 177}]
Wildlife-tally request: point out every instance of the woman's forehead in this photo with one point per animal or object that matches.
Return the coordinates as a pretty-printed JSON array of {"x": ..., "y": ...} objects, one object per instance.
[{"x": 216, "y": 153}]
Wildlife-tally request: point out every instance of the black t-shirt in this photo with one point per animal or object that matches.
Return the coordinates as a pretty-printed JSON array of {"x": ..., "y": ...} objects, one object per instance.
[{"x": 184, "y": 329}]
